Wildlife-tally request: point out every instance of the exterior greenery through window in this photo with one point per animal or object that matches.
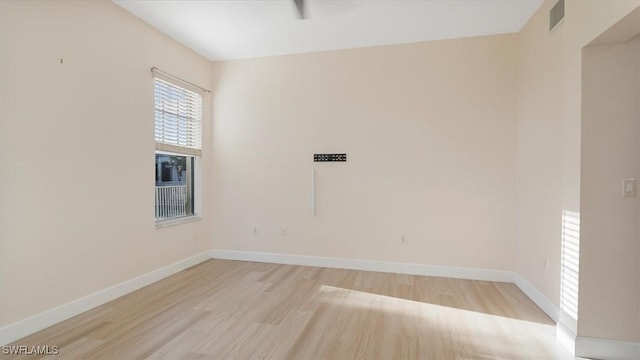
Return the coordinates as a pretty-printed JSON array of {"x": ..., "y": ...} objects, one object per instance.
[{"x": 178, "y": 136}]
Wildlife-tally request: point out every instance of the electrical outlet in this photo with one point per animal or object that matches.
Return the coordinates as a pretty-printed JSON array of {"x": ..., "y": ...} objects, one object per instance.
[
  {"x": 403, "y": 239},
  {"x": 255, "y": 230},
  {"x": 283, "y": 231},
  {"x": 629, "y": 187}
]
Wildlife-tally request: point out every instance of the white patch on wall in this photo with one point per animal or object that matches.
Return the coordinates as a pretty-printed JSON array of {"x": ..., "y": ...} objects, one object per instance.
[{"x": 570, "y": 263}]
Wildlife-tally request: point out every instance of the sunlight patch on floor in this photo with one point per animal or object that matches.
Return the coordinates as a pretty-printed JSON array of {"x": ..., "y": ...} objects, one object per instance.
[{"x": 474, "y": 331}]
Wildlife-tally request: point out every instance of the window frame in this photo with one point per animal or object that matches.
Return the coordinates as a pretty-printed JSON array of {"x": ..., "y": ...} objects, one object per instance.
[{"x": 190, "y": 152}]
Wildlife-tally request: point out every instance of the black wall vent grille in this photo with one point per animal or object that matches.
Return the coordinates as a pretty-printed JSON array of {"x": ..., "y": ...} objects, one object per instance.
[
  {"x": 556, "y": 15},
  {"x": 329, "y": 157}
]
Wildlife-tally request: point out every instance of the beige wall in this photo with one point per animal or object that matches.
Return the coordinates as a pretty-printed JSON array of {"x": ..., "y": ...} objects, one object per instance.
[
  {"x": 540, "y": 141},
  {"x": 549, "y": 130},
  {"x": 77, "y": 152},
  {"x": 429, "y": 129},
  {"x": 610, "y": 148}
]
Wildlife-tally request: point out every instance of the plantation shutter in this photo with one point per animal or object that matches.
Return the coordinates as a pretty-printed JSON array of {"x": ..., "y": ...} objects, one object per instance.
[{"x": 178, "y": 119}]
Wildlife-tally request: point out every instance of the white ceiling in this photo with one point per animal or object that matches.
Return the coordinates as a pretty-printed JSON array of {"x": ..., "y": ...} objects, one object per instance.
[{"x": 235, "y": 29}]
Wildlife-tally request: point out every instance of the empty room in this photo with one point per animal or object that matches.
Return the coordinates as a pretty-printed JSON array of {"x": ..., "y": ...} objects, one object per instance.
[{"x": 319, "y": 179}]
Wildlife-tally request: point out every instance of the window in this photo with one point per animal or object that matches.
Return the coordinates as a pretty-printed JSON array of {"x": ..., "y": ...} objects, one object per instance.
[{"x": 178, "y": 136}]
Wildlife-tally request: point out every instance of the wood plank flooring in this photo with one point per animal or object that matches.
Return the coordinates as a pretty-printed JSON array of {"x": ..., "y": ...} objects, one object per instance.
[{"x": 243, "y": 310}]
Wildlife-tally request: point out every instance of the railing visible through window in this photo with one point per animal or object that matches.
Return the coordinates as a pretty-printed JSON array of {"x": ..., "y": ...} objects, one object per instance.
[
  {"x": 171, "y": 201},
  {"x": 174, "y": 184}
]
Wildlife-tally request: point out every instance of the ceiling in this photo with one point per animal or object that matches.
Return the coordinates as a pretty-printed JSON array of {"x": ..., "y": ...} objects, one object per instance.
[{"x": 236, "y": 29}]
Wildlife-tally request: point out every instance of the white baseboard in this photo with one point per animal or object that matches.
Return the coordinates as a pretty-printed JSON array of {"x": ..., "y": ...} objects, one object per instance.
[
  {"x": 565, "y": 334},
  {"x": 366, "y": 265},
  {"x": 22, "y": 328},
  {"x": 401, "y": 268},
  {"x": 537, "y": 297},
  {"x": 584, "y": 346},
  {"x": 595, "y": 348},
  {"x": 580, "y": 346},
  {"x": 566, "y": 337}
]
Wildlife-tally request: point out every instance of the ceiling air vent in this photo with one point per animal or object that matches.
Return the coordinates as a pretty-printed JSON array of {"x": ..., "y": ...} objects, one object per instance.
[{"x": 556, "y": 15}]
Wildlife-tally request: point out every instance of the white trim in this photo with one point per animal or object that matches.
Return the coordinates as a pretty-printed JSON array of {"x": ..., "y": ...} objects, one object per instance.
[
  {"x": 22, "y": 328},
  {"x": 569, "y": 322},
  {"x": 606, "y": 349},
  {"x": 565, "y": 332},
  {"x": 588, "y": 347},
  {"x": 313, "y": 192},
  {"x": 566, "y": 337},
  {"x": 175, "y": 221},
  {"x": 537, "y": 297},
  {"x": 579, "y": 346},
  {"x": 366, "y": 265},
  {"x": 177, "y": 149}
]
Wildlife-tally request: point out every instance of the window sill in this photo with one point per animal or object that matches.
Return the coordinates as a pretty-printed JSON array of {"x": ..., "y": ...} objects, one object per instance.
[{"x": 177, "y": 221}]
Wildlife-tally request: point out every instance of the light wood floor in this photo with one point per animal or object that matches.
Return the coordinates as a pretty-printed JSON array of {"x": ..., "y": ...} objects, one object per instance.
[{"x": 233, "y": 309}]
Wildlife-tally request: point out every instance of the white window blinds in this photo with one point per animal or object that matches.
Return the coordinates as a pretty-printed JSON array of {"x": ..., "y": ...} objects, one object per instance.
[{"x": 178, "y": 119}]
